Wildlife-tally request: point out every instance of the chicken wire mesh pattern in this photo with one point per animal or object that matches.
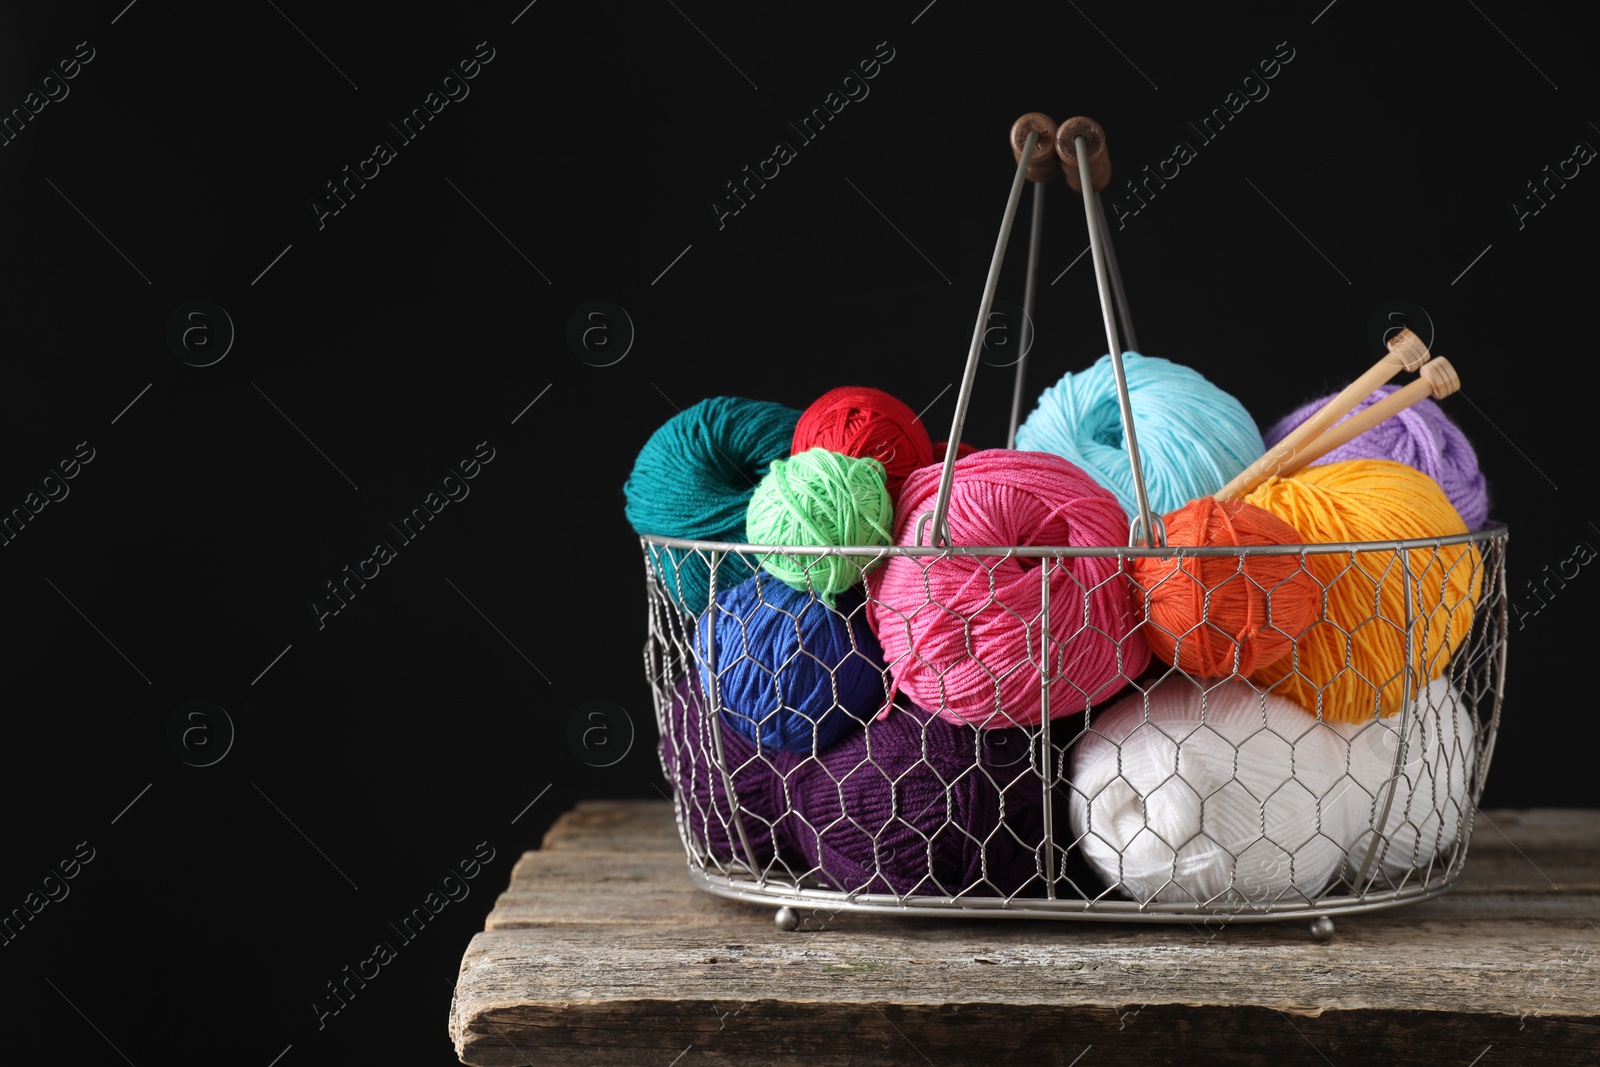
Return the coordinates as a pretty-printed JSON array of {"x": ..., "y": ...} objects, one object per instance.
[{"x": 991, "y": 818}]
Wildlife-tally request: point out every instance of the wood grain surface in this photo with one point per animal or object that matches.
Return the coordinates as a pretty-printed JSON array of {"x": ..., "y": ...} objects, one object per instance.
[{"x": 601, "y": 952}]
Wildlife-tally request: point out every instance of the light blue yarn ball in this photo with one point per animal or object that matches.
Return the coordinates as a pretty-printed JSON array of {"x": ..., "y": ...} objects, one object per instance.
[{"x": 1193, "y": 437}]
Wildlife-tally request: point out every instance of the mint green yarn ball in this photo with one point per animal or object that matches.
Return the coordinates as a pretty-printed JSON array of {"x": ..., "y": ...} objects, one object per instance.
[{"x": 825, "y": 499}]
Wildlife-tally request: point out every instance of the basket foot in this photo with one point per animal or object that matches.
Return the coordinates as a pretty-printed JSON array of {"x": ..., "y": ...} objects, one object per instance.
[
  {"x": 1322, "y": 928},
  {"x": 787, "y": 919}
]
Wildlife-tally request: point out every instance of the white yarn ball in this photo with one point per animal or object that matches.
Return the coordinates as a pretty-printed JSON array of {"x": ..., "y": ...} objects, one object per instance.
[
  {"x": 1431, "y": 794},
  {"x": 1220, "y": 796}
]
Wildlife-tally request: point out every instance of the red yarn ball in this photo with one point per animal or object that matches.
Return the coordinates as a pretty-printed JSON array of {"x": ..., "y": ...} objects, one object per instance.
[
  {"x": 1258, "y": 605},
  {"x": 867, "y": 423},
  {"x": 963, "y": 450}
]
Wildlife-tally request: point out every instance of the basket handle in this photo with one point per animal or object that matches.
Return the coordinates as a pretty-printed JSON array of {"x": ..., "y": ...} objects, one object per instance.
[
  {"x": 940, "y": 534},
  {"x": 1092, "y": 163},
  {"x": 1045, "y": 164},
  {"x": 1080, "y": 143}
]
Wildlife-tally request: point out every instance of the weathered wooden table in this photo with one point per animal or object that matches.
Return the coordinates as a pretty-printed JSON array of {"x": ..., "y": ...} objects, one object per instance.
[{"x": 601, "y": 952}]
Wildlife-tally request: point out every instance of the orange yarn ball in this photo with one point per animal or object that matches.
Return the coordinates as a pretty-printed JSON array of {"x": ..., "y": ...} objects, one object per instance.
[
  {"x": 1351, "y": 664},
  {"x": 1219, "y": 615}
]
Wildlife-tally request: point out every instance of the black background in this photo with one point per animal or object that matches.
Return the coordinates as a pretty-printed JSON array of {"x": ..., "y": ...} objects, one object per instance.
[{"x": 431, "y": 714}]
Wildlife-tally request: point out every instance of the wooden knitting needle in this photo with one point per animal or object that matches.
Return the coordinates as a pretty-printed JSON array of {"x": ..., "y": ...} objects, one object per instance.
[
  {"x": 1406, "y": 352},
  {"x": 1438, "y": 380}
]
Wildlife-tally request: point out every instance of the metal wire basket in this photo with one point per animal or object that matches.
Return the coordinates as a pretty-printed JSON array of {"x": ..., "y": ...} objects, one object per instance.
[{"x": 1400, "y": 836}]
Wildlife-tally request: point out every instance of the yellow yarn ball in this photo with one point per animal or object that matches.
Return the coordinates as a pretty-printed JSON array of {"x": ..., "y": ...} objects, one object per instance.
[{"x": 1351, "y": 664}]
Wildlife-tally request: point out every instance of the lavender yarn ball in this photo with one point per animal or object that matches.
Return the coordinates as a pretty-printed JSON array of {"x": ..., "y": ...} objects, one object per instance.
[
  {"x": 1422, "y": 436},
  {"x": 911, "y": 805}
]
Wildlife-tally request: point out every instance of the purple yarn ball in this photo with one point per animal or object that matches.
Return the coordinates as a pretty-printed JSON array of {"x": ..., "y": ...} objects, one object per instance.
[
  {"x": 1422, "y": 436},
  {"x": 914, "y": 805},
  {"x": 688, "y": 759},
  {"x": 909, "y": 805}
]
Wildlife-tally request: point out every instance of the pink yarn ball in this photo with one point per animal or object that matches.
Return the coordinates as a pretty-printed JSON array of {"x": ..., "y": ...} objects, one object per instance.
[{"x": 963, "y": 635}]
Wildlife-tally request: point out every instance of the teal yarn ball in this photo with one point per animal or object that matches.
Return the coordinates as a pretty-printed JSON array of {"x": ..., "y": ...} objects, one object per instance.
[
  {"x": 686, "y": 574},
  {"x": 825, "y": 499},
  {"x": 694, "y": 478},
  {"x": 1193, "y": 437}
]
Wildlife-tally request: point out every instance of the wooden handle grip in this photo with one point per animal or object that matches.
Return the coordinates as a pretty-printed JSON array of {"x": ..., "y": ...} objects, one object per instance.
[
  {"x": 1045, "y": 164},
  {"x": 1438, "y": 381},
  {"x": 1094, "y": 150}
]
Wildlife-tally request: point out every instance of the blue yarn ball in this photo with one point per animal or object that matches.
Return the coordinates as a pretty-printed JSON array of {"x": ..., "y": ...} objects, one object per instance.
[
  {"x": 1193, "y": 437},
  {"x": 792, "y": 674},
  {"x": 694, "y": 479}
]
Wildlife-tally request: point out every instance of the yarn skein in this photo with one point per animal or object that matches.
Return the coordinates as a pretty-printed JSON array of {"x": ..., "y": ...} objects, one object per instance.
[
  {"x": 792, "y": 673},
  {"x": 694, "y": 478},
  {"x": 820, "y": 498},
  {"x": 1351, "y": 663},
  {"x": 1431, "y": 798},
  {"x": 910, "y": 805},
  {"x": 688, "y": 760},
  {"x": 1217, "y": 794},
  {"x": 868, "y": 423},
  {"x": 1193, "y": 437},
  {"x": 1420, "y": 436},
  {"x": 964, "y": 635},
  {"x": 916, "y": 805},
  {"x": 1219, "y": 615}
]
